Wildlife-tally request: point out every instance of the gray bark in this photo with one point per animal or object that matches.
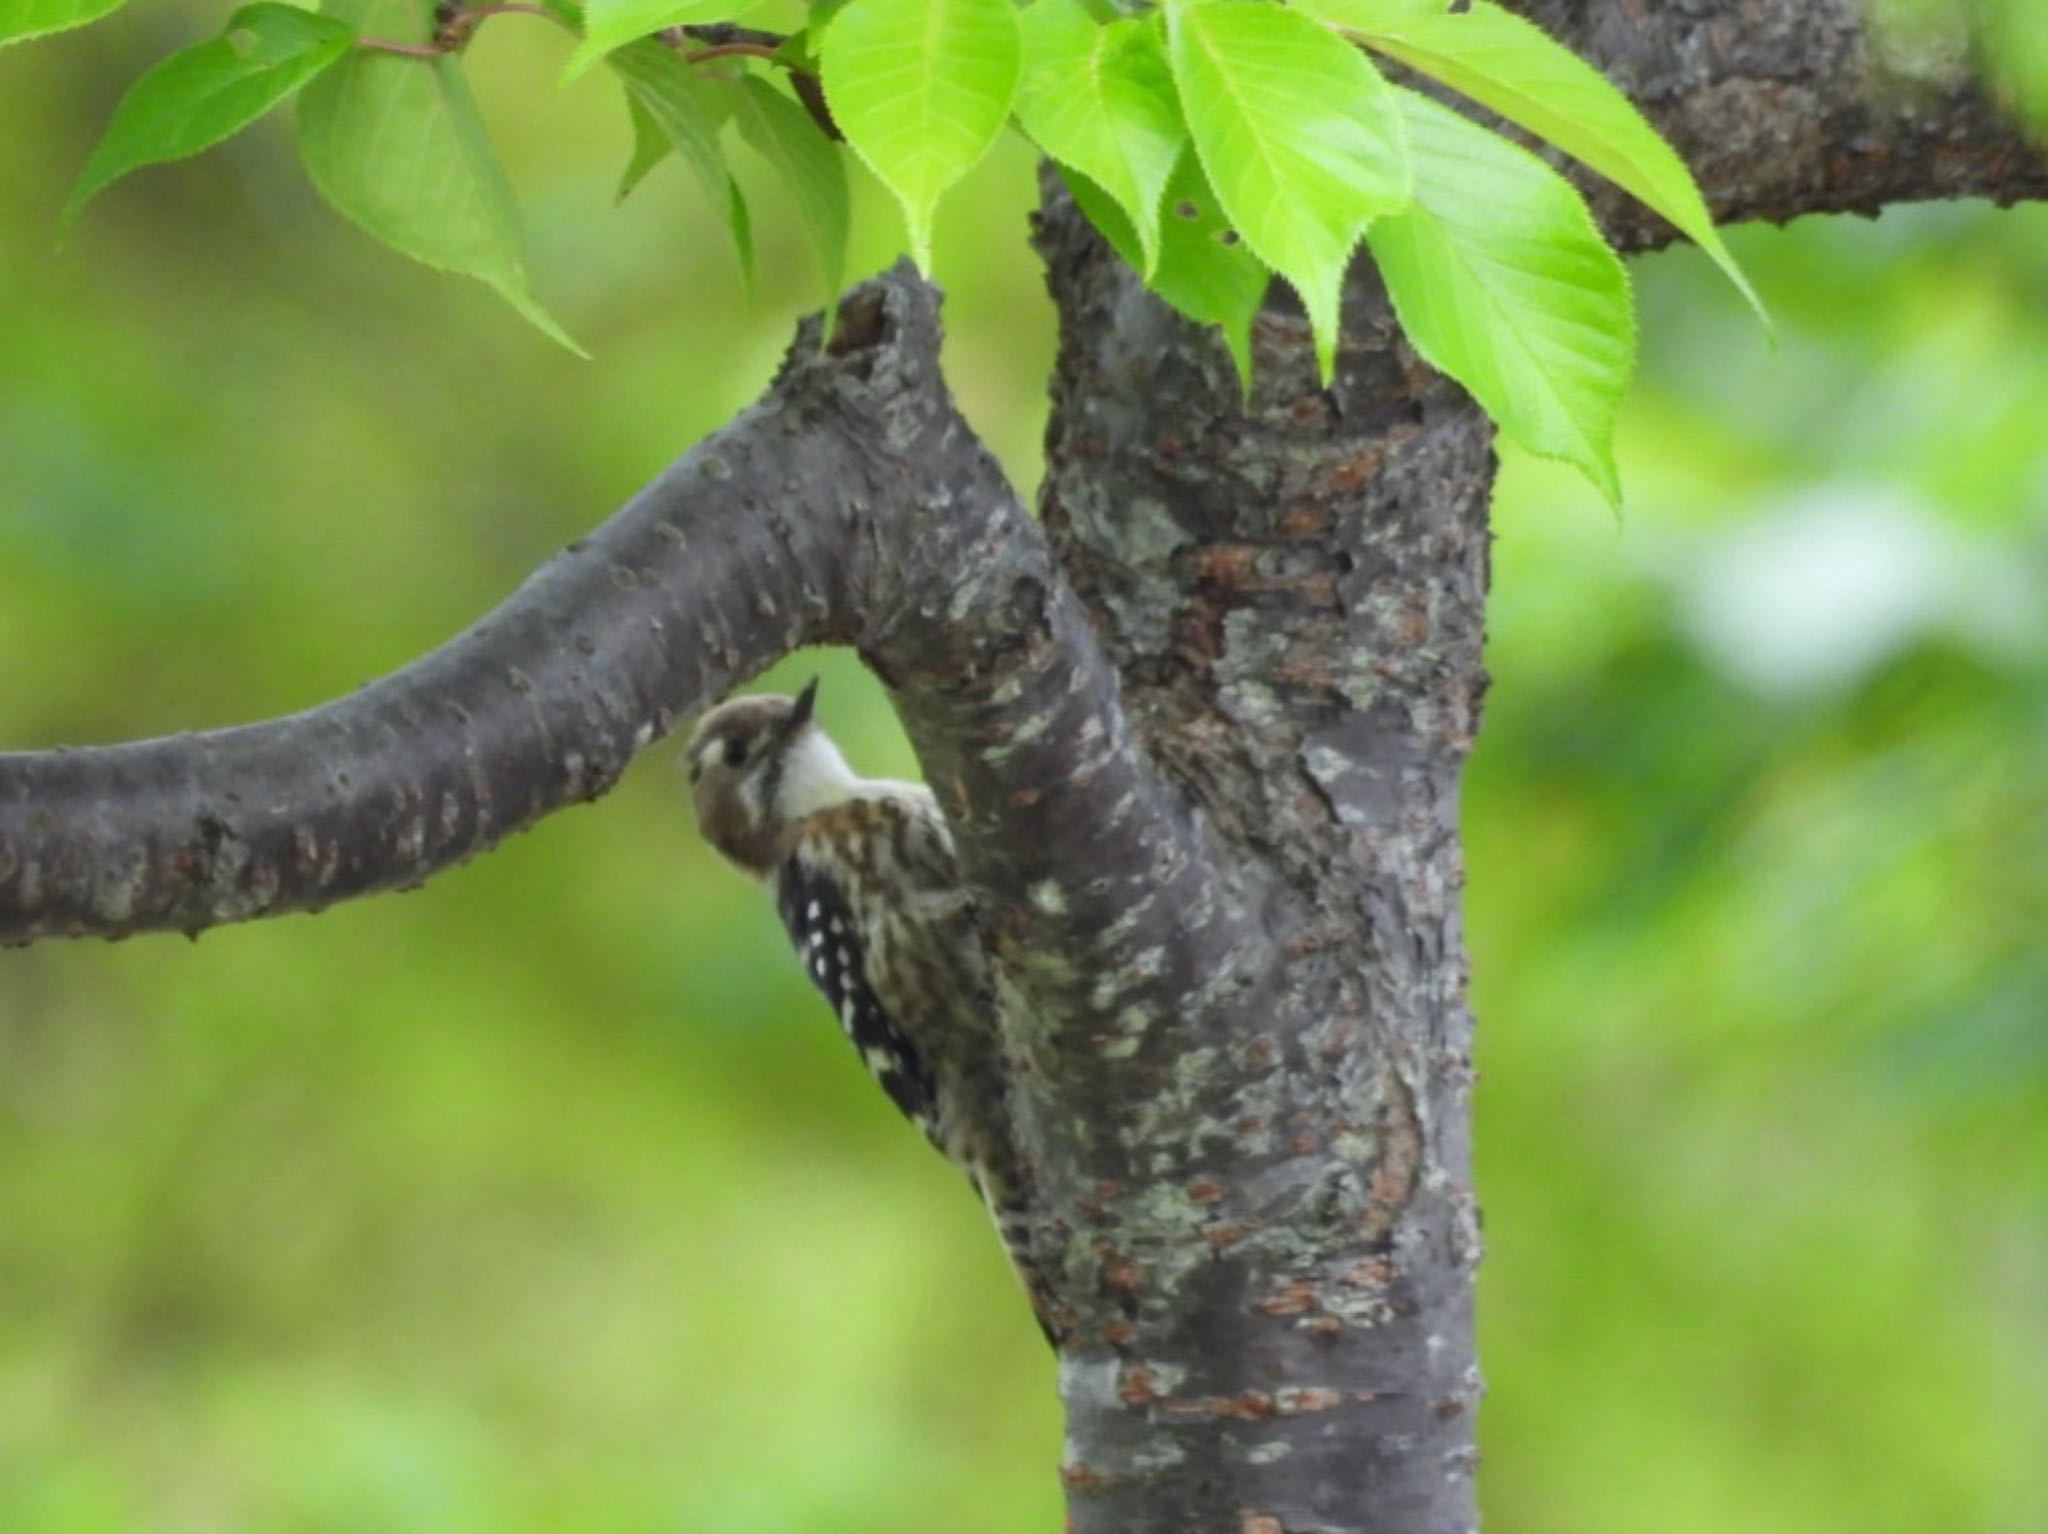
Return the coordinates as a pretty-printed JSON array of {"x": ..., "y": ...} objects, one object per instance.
[{"x": 1200, "y": 733}]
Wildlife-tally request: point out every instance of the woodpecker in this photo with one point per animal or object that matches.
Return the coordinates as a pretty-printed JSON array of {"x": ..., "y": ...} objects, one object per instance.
[{"x": 869, "y": 889}]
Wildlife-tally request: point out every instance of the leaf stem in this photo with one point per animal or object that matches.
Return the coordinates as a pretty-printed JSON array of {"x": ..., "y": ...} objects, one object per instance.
[
  {"x": 404, "y": 50},
  {"x": 719, "y": 33},
  {"x": 453, "y": 28},
  {"x": 730, "y": 50},
  {"x": 455, "y": 25}
]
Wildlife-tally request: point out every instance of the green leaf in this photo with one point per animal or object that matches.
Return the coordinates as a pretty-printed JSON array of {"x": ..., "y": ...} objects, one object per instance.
[
  {"x": 21, "y": 19},
  {"x": 800, "y": 51},
  {"x": 740, "y": 224},
  {"x": 650, "y": 148},
  {"x": 784, "y": 135},
  {"x": 1100, "y": 99},
  {"x": 200, "y": 95},
  {"x": 609, "y": 24},
  {"x": 1515, "y": 68},
  {"x": 1300, "y": 137},
  {"x": 690, "y": 109},
  {"x": 1204, "y": 271},
  {"x": 1501, "y": 279},
  {"x": 1355, "y": 15},
  {"x": 921, "y": 88},
  {"x": 395, "y": 144}
]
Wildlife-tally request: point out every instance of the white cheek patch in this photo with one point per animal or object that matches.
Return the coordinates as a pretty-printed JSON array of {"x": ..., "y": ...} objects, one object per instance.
[
  {"x": 814, "y": 775},
  {"x": 750, "y": 797}
]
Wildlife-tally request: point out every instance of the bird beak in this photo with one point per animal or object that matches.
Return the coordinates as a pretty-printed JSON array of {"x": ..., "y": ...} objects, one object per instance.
[{"x": 801, "y": 714}]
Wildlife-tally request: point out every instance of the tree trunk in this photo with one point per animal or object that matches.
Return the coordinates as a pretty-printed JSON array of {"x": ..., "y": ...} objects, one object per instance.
[{"x": 1274, "y": 1224}]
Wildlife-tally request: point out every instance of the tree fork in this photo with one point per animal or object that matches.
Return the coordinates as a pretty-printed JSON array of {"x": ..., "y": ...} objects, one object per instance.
[
  {"x": 850, "y": 505},
  {"x": 1201, "y": 739}
]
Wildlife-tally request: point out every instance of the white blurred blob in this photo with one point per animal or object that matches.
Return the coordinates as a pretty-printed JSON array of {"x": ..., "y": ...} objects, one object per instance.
[{"x": 1815, "y": 593}]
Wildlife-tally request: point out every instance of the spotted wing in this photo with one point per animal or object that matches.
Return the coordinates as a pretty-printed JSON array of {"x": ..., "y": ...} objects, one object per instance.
[
  {"x": 821, "y": 923},
  {"x": 872, "y": 898}
]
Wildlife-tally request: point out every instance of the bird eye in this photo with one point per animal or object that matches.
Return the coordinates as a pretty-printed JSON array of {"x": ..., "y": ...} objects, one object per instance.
[{"x": 735, "y": 752}]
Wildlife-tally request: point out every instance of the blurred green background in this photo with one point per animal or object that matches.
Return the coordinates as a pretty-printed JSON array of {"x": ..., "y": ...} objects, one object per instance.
[{"x": 548, "y": 1199}]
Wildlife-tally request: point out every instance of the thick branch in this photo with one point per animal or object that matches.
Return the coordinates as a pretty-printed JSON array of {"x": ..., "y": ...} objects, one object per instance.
[
  {"x": 1107, "y": 908},
  {"x": 1270, "y": 1210},
  {"x": 1784, "y": 110},
  {"x": 851, "y": 504},
  {"x": 731, "y": 557}
]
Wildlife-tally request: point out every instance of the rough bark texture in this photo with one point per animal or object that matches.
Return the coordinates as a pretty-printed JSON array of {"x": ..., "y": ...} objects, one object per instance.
[
  {"x": 1200, "y": 734},
  {"x": 1281, "y": 1238},
  {"x": 1274, "y": 1195},
  {"x": 1784, "y": 108},
  {"x": 851, "y": 505}
]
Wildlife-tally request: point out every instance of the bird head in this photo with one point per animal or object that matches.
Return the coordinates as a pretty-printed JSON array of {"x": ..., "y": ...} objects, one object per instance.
[{"x": 757, "y": 765}]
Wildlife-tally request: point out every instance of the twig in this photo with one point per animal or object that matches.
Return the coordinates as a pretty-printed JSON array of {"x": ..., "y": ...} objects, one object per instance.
[
  {"x": 404, "y": 50},
  {"x": 731, "y": 50}
]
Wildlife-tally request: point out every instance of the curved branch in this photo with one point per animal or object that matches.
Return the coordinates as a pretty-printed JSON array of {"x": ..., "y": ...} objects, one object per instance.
[
  {"x": 1788, "y": 110},
  {"x": 1104, "y": 898},
  {"x": 732, "y": 557},
  {"x": 735, "y": 555},
  {"x": 1108, "y": 908},
  {"x": 852, "y": 504}
]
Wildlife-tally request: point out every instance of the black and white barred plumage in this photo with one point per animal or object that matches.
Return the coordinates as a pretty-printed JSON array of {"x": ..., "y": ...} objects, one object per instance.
[{"x": 868, "y": 887}]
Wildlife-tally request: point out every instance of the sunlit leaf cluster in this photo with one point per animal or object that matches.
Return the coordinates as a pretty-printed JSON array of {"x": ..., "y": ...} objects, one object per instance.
[{"x": 1215, "y": 144}]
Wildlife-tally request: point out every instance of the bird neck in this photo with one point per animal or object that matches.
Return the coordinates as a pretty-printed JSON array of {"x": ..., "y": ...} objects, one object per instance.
[{"x": 814, "y": 776}]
